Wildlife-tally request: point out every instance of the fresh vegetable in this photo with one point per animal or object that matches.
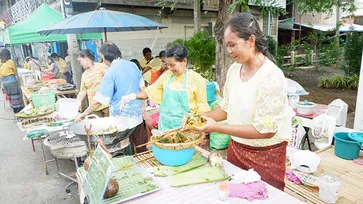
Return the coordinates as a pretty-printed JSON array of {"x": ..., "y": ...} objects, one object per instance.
[
  {"x": 195, "y": 120},
  {"x": 110, "y": 130},
  {"x": 35, "y": 112},
  {"x": 178, "y": 137}
]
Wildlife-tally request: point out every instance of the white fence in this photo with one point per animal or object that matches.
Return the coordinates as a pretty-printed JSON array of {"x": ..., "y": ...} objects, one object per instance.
[{"x": 295, "y": 59}]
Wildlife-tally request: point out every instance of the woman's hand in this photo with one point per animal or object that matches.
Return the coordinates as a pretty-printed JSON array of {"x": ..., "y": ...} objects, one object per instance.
[
  {"x": 80, "y": 118},
  {"x": 126, "y": 99},
  {"x": 210, "y": 126}
]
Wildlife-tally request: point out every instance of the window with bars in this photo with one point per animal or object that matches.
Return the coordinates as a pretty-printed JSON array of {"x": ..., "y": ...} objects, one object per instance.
[{"x": 273, "y": 24}]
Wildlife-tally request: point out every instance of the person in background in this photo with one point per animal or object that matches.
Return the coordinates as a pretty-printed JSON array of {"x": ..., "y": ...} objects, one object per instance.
[
  {"x": 91, "y": 80},
  {"x": 178, "y": 91},
  {"x": 67, "y": 59},
  {"x": 62, "y": 65},
  {"x": 156, "y": 66},
  {"x": 137, "y": 63},
  {"x": 33, "y": 64},
  {"x": 255, "y": 104},
  {"x": 121, "y": 78},
  {"x": 9, "y": 82},
  {"x": 26, "y": 64},
  {"x": 146, "y": 52},
  {"x": 53, "y": 68}
]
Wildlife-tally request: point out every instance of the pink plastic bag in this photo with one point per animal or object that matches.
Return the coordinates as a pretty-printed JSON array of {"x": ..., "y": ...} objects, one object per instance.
[{"x": 155, "y": 119}]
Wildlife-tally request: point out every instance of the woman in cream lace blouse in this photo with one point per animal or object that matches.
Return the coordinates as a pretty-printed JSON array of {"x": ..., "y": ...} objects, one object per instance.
[{"x": 255, "y": 104}]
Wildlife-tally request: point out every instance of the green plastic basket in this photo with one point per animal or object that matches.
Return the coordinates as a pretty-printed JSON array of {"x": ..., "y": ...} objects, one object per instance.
[{"x": 43, "y": 98}]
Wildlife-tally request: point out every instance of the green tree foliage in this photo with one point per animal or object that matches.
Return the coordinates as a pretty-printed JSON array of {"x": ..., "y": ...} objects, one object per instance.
[
  {"x": 271, "y": 45},
  {"x": 324, "y": 6},
  {"x": 352, "y": 53},
  {"x": 202, "y": 53}
]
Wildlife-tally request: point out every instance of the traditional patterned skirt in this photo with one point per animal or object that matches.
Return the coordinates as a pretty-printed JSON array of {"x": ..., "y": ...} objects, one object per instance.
[
  {"x": 267, "y": 161},
  {"x": 13, "y": 91}
]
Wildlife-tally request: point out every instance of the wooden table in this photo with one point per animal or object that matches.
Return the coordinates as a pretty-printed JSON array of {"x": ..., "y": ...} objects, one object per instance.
[
  {"x": 349, "y": 174},
  {"x": 27, "y": 99}
]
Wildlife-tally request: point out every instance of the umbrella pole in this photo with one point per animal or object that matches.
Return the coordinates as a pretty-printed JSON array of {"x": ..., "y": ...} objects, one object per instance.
[{"x": 104, "y": 30}]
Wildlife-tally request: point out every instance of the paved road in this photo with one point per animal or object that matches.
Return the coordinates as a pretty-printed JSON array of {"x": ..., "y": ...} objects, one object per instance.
[{"x": 22, "y": 175}]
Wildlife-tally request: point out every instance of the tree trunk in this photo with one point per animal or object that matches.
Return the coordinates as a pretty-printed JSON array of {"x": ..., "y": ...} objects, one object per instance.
[{"x": 223, "y": 60}]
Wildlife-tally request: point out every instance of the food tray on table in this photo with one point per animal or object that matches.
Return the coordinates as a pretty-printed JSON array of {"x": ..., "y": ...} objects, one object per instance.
[
  {"x": 30, "y": 123},
  {"x": 34, "y": 87},
  {"x": 35, "y": 112},
  {"x": 133, "y": 182},
  {"x": 66, "y": 87}
]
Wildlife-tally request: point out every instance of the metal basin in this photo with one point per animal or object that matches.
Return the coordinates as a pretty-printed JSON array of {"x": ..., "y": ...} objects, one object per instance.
[{"x": 125, "y": 127}]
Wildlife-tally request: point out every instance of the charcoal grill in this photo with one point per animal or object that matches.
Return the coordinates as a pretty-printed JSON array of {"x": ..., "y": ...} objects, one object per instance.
[
  {"x": 65, "y": 148},
  {"x": 65, "y": 145}
]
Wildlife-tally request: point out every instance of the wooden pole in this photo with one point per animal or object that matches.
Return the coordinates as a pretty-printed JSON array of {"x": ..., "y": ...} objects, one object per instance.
[
  {"x": 76, "y": 67},
  {"x": 73, "y": 50},
  {"x": 196, "y": 16},
  {"x": 337, "y": 33}
]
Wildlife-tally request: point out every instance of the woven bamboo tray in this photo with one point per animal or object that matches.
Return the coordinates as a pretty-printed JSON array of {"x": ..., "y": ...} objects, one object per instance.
[
  {"x": 179, "y": 146},
  {"x": 147, "y": 156},
  {"x": 29, "y": 123},
  {"x": 349, "y": 174}
]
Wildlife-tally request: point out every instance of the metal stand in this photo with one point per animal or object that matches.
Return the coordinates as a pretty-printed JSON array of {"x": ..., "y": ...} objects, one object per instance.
[
  {"x": 306, "y": 138},
  {"x": 60, "y": 174},
  {"x": 44, "y": 159}
]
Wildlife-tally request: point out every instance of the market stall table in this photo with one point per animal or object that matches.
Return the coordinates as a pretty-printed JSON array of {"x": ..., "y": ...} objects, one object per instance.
[
  {"x": 349, "y": 174},
  {"x": 203, "y": 193},
  {"x": 27, "y": 92},
  {"x": 307, "y": 122}
]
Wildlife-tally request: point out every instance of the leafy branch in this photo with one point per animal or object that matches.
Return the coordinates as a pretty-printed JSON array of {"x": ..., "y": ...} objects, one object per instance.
[
  {"x": 326, "y": 6},
  {"x": 163, "y": 4},
  {"x": 265, "y": 6}
]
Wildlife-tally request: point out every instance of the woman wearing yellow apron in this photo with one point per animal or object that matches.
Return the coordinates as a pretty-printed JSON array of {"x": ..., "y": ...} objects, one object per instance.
[{"x": 178, "y": 90}]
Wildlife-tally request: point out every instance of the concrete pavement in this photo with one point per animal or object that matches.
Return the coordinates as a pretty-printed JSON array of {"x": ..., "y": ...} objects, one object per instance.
[{"x": 22, "y": 174}]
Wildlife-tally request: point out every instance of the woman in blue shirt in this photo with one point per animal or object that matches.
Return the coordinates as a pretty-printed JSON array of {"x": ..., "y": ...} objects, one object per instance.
[{"x": 122, "y": 78}]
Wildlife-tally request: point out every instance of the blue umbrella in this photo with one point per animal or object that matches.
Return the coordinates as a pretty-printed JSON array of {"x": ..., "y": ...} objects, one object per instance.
[{"x": 102, "y": 21}]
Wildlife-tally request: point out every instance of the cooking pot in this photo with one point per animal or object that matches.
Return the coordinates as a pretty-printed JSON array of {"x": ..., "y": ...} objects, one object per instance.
[{"x": 124, "y": 125}]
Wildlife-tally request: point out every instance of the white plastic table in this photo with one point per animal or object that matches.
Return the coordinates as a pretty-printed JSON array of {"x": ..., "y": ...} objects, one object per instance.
[{"x": 207, "y": 193}]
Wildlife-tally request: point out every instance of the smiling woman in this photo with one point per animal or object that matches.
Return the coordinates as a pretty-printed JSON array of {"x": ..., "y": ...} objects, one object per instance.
[
  {"x": 254, "y": 104},
  {"x": 178, "y": 90}
]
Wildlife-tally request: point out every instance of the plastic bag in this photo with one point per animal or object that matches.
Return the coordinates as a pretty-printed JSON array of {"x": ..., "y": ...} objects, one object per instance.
[
  {"x": 298, "y": 132},
  {"x": 323, "y": 130},
  {"x": 218, "y": 140},
  {"x": 295, "y": 88}
]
